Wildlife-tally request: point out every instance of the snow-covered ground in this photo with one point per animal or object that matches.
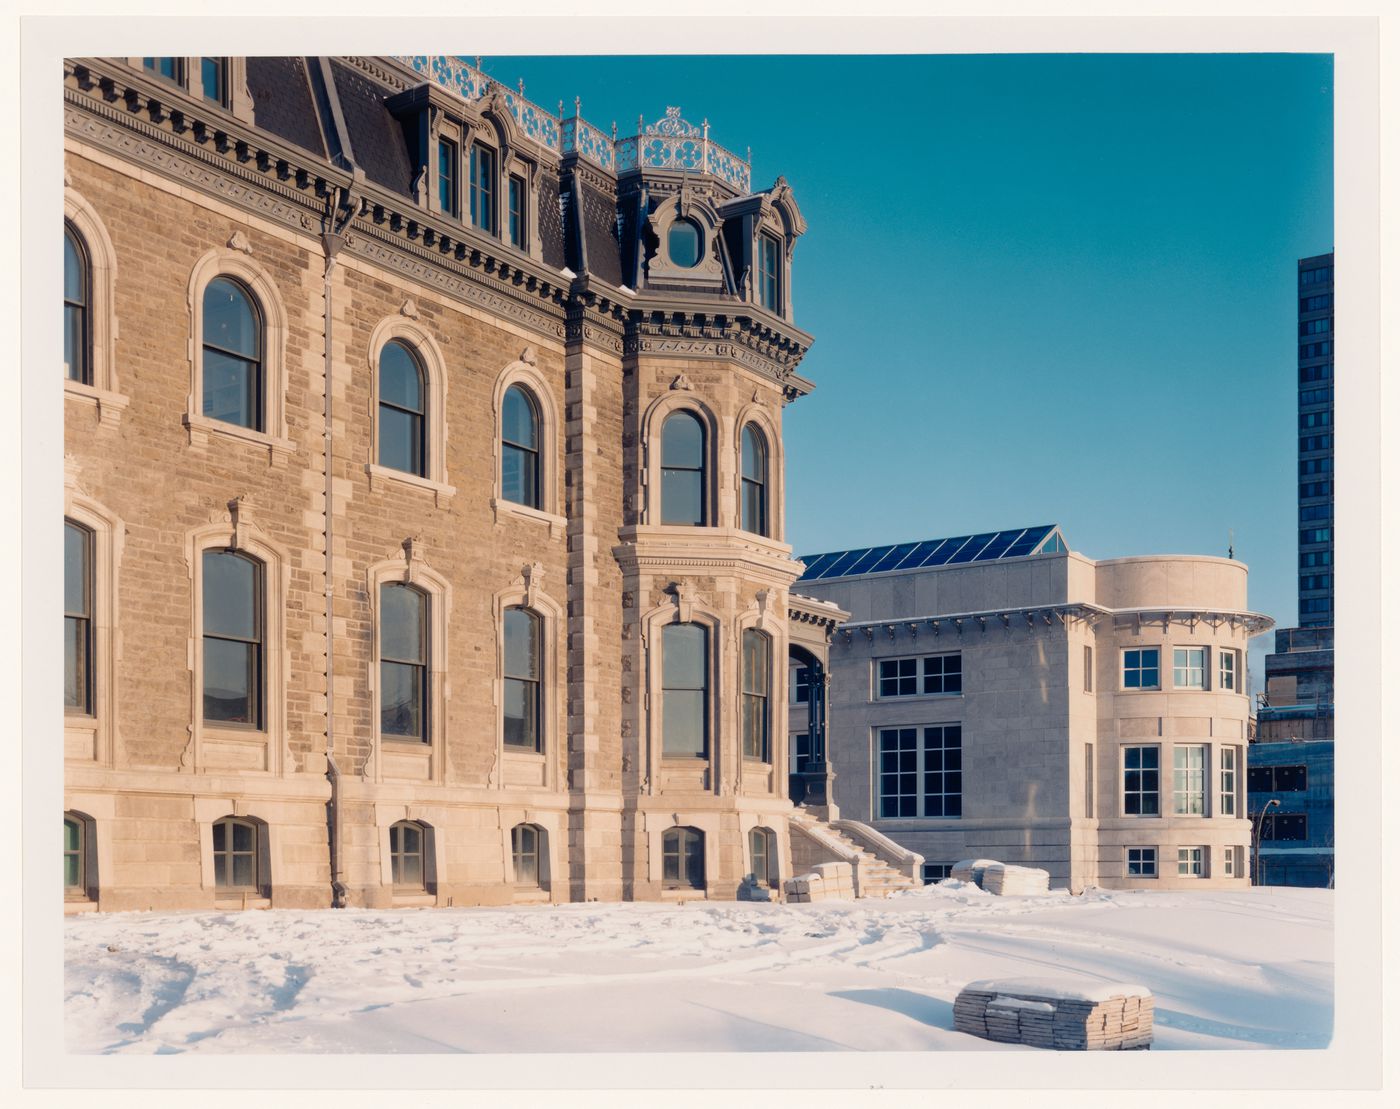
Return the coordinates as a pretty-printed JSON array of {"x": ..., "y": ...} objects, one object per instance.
[{"x": 1251, "y": 969}]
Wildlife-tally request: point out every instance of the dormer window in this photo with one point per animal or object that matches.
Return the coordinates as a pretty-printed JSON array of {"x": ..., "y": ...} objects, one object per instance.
[
  {"x": 516, "y": 207},
  {"x": 483, "y": 188},
  {"x": 214, "y": 72},
  {"x": 171, "y": 69},
  {"x": 449, "y": 199},
  {"x": 219, "y": 81},
  {"x": 683, "y": 243},
  {"x": 768, "y": 288}
]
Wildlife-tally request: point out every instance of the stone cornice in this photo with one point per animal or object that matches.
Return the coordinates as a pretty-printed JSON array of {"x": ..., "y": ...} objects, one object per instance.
[
  {"x": 705, "y": 551},
  {"x": 681, "y": 328},
  {"x": 808, "y": 610}
]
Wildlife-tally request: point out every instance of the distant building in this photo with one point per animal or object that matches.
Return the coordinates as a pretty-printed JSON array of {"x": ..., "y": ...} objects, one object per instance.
[
  {"x": 999, "y": 695},
  {"x": 1297, "y": 706},
  {"x": 1296, "y": 834}
]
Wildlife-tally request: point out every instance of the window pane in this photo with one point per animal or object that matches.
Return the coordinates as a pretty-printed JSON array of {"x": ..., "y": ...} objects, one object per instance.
[
  {"x": 230, "y": 389},
  {"x": 220, "y": 837},
  {"x": 72, "y": 871},
  {"x": 212, "y": 72},
  {"x": 411, "y": 873},
  {"x": 694, "y": 847},
  {"x": 520, "y": 476},
  {"x": 753, "y": 508},
  {"x": 229, "y": 681},
  {"x": 401, "y": 700},
  {"x": 683, "y": 441},
  {"x": 230, "y": 322},
  {"x": 518, "y": 422},
  {"x": 683, "y": 656},
  {"x": 75, "y": 570},
  {"x": 522, "y": 644},
  {"x": 520, "y": 714},
  {"x": 683, "y": 722},
  {"x": 753, "y": 455},
  {"x": 400, "y": 380},
  {"x": 75, "y": 663},
  {"x": 401, "y": 440},
  {"x": 683, "y": 243},
  {"x": 74, "y": 270},
  {"x": 75, "y": 343},
  {"x": 242, "y": 837},
  {"x": 755, "y": 662},
  {"x": 242, "y": 870},
  {"x": 682, "y": 497},
  {"x": 230, "y": 595},
  {"x": 401, "y": 619}
]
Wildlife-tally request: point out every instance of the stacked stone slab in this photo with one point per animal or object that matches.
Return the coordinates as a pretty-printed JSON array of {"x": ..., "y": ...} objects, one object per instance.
[
  {"x": 1051, "y": 1013},
  {"x": 971, "y": 870},
  {"x": 827, "y": 881},
  {"x": 1003, "y": 879}
]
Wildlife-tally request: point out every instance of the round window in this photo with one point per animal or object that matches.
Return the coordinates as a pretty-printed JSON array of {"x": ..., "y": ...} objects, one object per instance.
[{"x": 683, "y": 243}]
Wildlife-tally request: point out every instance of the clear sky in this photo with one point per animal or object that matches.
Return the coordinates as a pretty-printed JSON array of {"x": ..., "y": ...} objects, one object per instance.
[{"x": 1044, "y": 288}]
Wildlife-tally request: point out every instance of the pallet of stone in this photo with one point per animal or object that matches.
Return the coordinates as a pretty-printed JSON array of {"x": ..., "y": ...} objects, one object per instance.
[
  {"x": 1060, "y": 1014},
  {"x": 1004, "y": 880},
  {"x": 971, "y": 870}
]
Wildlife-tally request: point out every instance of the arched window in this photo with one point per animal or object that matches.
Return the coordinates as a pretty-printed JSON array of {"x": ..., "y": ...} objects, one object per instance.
[
  {"x": 233, "y": 355},
  {"x": 403, "y": 662},
  {"x": 520, "y": 450},
  {"x": 77, "y": 298},
  {"x": 233, "y": 638},
  {"x": 683, "y": 470},
  {"x": 526, "y": 841},
  {"x": 77, "y": 618},
  {"x": 75, "y": 884},
  {"x": 401, "y": 410},
  {"x": 763, "y": 856},
  {"x": 685, "y": 692},
  {"x": 236, "y": 854},
  {"x": 683, "y": 243},
  {"x": 521, "y": 707},
  {"x": 683, "y": 859},
  {"x": 753, "y": 474},
  {"x": 757, "y": 652},
  {"x": 406, "y": 855}
]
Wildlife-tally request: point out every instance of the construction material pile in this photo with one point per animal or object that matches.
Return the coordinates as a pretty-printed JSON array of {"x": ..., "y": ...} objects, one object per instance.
[
  {"x": 1002, "y": 879},
  {"x": 1062, "y": 1014},
  {"x": 971, "y": 870},
  {"x": 826, "y": 881}
]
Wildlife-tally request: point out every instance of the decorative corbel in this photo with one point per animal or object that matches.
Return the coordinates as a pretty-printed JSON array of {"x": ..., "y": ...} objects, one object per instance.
[
  {"x": 412, "y": 554},
  {"x": 762, "y": 599},
  {"x": 237, "y": 513},
  {"x": 529, "y": 356},
  {"x": 680, "y": 381},
  {"x": 239, "y": 241},
  {"x": 889, "y": 628},
  {"x": 869, "y": 635},
  {"x": 409, "y": 308},
  {"x": 846, "y": 634},
  {"x": 684, "y": 593},
  {"x": 913, "y": 627},
  {"x": 531, "y": 576}
]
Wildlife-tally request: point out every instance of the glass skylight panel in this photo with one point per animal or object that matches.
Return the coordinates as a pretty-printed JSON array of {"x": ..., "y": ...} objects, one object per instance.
[
  {"x": 945, "y": 551},
  {"x": 920, "y": 552},
  {"x": 1027, "y": 542},
  {"x": 816, "y": 563},
  {"x": 997, "y": 547},
  {"x": 863, "y": 564},
  {"x": 970, "y": 550},
  {"x": 892, "y": 558},
  {"x": 844, "y": 563}
]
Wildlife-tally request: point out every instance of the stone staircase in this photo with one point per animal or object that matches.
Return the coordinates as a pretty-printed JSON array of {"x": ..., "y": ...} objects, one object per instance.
[{"x": 879, "y": 866}]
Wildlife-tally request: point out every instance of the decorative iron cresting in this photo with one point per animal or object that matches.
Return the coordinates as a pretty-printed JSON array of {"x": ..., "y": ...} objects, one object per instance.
[{"x": 672, "y": 142}]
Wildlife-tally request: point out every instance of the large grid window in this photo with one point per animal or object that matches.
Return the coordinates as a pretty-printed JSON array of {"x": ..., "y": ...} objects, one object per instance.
[
  {"x": 233, "y": 356},
  {"x": 683, "y": 470},
  {"x": 1229, "y": 660},
  {"x": 1189, "y": 780},
  {"x": 912, "y": 677},
  {"x": 921, "y": 771},
  {"x": 232, "y": 638},
  {"x": 685, "y": 690},
  {"x": 1277, "y": 779},
  {"x": 521, "y": 713},
  {"x": 77, "y": 360},
  {"x": 483, "y": 188},
  {"x": 683, "y": 858},
  {"x": 406, "y": 855},
  {"x": 1141, "y": 784},
  {"x": 525, "y": 842},
  {"x": 757, "y": 651},
  {"x": 1142, "y": 862},
  {"x": 402, "y": 410},
  {"x": 520, "y": 448},
  {"x": 77, "y": 618},
  {"x": 768, "y": 287},
  {"x": 1229, "y": 779},
  {"x": 1284, "y": 827},
  {"x": 1189, "y": 667},
  {"x": 403, "y": 662},
  {"x": 172, "y": 69},
  {"x": 1141, "y": 668},
  {"x": 753, "y": 482},
  {"x": 1191, "y": 862},
  {"x": 235, "y": 854}
]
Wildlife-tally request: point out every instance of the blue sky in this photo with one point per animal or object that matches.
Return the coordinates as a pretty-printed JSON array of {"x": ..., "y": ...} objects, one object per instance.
[{"x": 1044, "y": 288}]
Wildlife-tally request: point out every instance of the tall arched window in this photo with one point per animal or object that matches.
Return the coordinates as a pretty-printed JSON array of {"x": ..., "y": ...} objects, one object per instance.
[
  {"x": 77, "y": 300},
  {"x": 403, "y": 662},
  {"x": 757, "y": 652},
  {"x": 526, "y": 840},
  {"x": 753, "y": 474},
  {"x": 521, "y": 708},
  {"x": 233, "y": 355},
  {"x": 77, "y": 618},
  {"x": 406, "y": 855},
  {"x": 685, "y": 692},
  {"x": 683, "y": 858},
  {"x": 235, "y": 854},
  {"x": 401, "y": 410},
  {"x": 520, "y": 449},
  {"x": 683, "y": 470},
  {"x": 763, "y": 856},
  {"x": 233, "y": 638}
]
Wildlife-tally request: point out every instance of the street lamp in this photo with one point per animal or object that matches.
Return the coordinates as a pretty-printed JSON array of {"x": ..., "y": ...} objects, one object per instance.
[{"x": 1258, "y": 824}]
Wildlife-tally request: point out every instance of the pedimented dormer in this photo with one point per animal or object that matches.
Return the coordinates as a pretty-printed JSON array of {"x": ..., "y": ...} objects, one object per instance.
[{"x": 681, "y": 242}]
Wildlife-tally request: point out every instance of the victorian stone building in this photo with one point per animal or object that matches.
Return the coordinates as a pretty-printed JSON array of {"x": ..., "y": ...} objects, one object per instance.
[{"x": 424, "y": 536}]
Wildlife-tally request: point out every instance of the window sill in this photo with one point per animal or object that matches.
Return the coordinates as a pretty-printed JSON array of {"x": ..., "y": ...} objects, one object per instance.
[
  {"x": 414, "y": 899},
  {"x": 524, "y": 754},
  {"x": 234, "y": 900},
  {"x": 404, "y": 743},
  {"x": 683, "y": 895},
  {"x": 200, "y": 428},
  {"x": 387, "y": 475},
  {"x": 109, "y": 406},
  {"x": 501, "y": 507},
  {"x": 904, "y": 698},
  {"x": 73, "y": 906}
]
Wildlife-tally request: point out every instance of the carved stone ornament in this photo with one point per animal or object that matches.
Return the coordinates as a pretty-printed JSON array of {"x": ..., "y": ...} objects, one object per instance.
[
  {"x": 239, "y": 241},
  {"x": 409, "y": 308},
  {"x": 528, "y": 356},
  {"x": 238, "y": 516},
  {"x": 681, "y": 382},
  {"x": 531, "y": 577},
  {"x": 412, "y": 555},
  {"x": 756, "y": 397},
  {"x": 684, "y": 593}
]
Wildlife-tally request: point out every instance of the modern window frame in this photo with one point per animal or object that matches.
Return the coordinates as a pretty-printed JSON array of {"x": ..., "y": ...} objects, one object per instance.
[
  {"x": 1191, "y": 667},
  {"x": 1133, "y": 780},
  {"x": 908, "y": 676},
  {"x": 1228, "y": 757},
  {"x": 913, "y": 773},
  {"x": 1228, "y": 667},
  {"x": 1190, "y": 778},
  {"x": 1134, "y": 668},
  {"x": 1193, "y": 861},
  {"x": 1140, "y": 862},
  {"x": 1088, "y": 668}
]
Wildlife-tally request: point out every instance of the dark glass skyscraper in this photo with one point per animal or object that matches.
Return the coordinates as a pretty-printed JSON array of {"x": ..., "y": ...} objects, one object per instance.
[{"x": 1316, "y": 530}]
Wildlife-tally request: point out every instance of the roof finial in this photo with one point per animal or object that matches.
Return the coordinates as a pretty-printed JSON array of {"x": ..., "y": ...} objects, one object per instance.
[
  {"x": 521, "y": 86},
  {"x": 578, "y": 107},
  {"x": 561, "y": 109},
  {"x": 478, "y": 61},
  {"x": 1231, "y": 553}
]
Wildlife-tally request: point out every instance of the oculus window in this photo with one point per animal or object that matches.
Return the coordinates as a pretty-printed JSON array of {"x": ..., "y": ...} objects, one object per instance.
[
  {"x": 233, "y": 638},
  {"x": 403, "y": 662},
  {"x": 233, "y": 357}
]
